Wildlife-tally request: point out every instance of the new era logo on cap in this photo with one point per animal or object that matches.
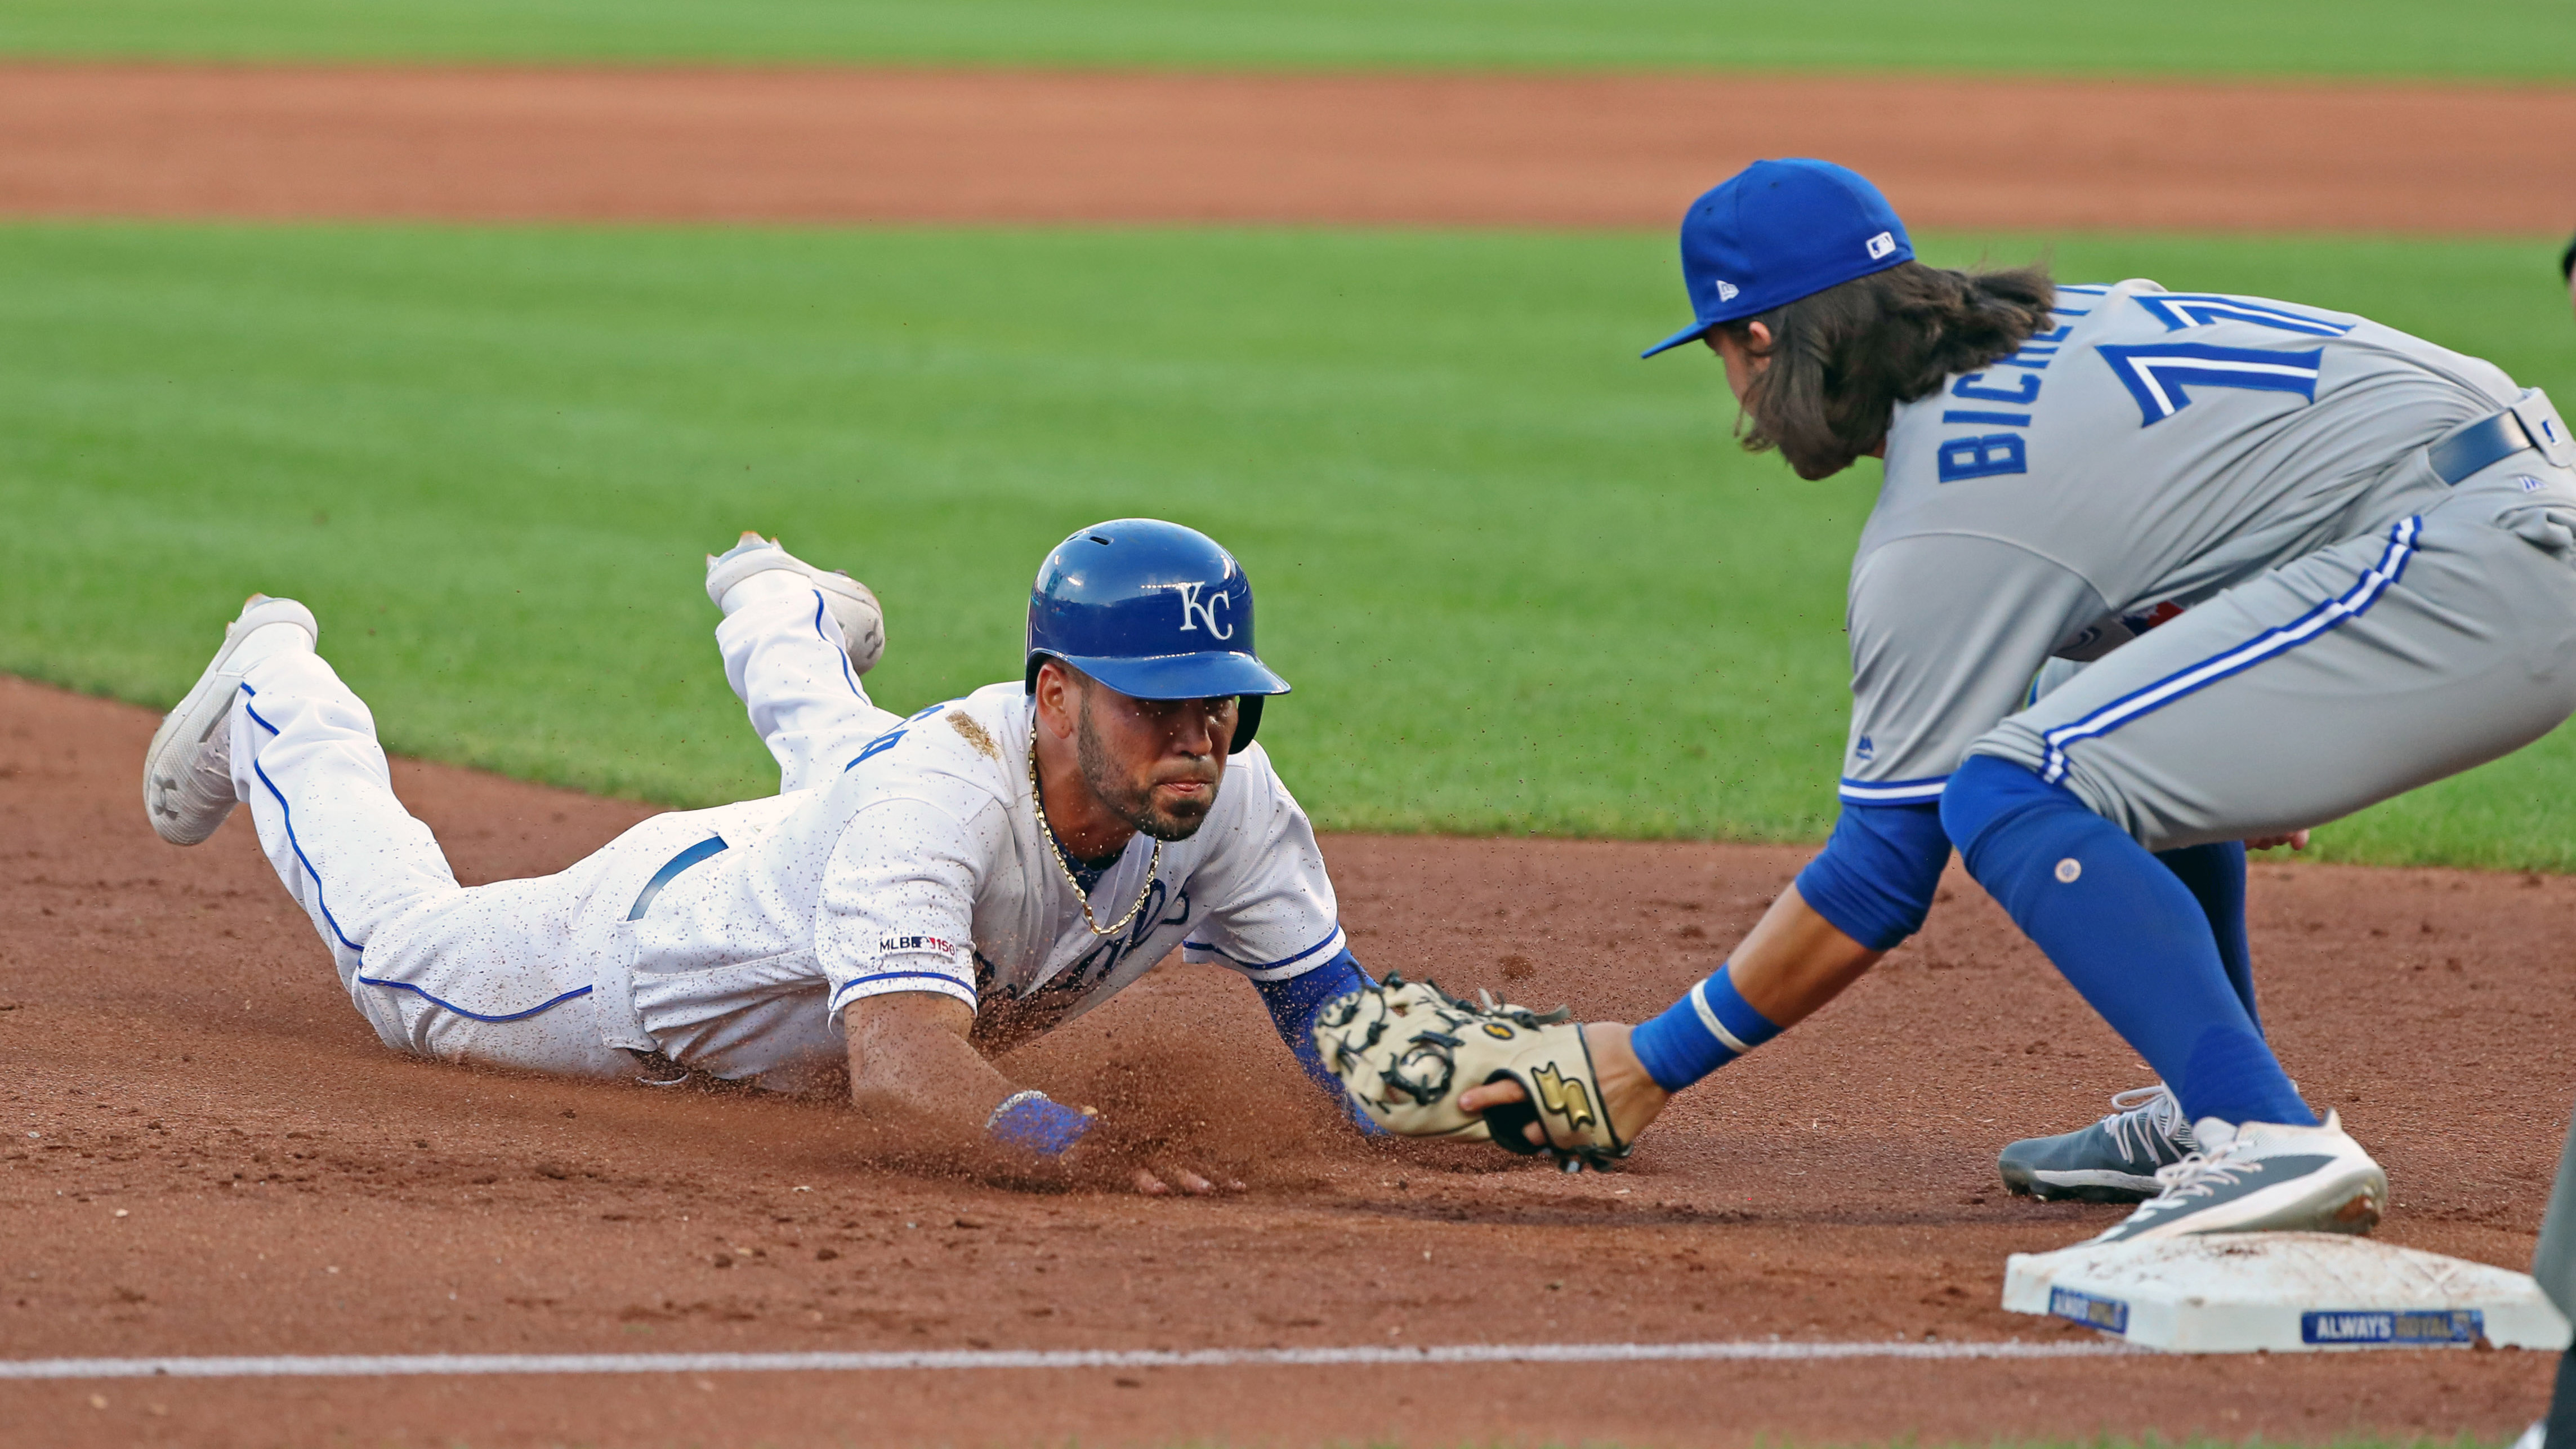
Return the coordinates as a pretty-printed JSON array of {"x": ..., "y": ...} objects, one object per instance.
[
  {"x": 1726, "y": 291},
  {"x": 1881, "y": 244}
]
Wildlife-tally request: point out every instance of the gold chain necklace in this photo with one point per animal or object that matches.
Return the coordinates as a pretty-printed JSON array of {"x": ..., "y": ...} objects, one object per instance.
[{"x": 1056, "y": 848}]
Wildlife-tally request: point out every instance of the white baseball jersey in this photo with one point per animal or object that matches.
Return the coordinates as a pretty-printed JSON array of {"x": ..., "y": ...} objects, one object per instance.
[{"x": 922, "y": 867}]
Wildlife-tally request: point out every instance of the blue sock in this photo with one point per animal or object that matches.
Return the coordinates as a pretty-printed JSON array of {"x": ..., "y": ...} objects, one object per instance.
[
  {"x": 2125, "y": 931},
  {"x": 2215, "y": 876}
]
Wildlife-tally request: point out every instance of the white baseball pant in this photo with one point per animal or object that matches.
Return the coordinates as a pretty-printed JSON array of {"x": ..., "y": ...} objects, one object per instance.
[{"x": 509, "y": 974}]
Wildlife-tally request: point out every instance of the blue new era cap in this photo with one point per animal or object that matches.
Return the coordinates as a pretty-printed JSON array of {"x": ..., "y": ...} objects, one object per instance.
[{"x": 1777, "y": 231}]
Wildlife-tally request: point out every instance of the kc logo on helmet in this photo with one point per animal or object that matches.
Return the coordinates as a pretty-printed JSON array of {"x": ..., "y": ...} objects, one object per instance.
[{"x": 1192, "y": 611}]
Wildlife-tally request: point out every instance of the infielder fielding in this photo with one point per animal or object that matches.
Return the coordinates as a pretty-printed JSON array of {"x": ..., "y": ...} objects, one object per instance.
[
  {"x": 2316, "y": 562},
  {"x": 921, "y": 893}
]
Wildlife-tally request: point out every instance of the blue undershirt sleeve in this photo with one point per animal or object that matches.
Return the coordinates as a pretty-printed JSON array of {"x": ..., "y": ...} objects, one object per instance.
[
  {"x": 1875, "y": 878},
  {"x": 1293, "y": 1004}
]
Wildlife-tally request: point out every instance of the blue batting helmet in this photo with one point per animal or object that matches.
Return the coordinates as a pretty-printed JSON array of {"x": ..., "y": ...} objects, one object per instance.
[{"x": 1154, "y": 611}]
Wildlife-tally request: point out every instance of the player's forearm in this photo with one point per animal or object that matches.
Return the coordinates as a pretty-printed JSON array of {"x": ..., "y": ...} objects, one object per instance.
[
  {"x": 1795, "y": 961},
  {"x": 1293, "y": 1004},
  {"x": 911, "y": 1063}
]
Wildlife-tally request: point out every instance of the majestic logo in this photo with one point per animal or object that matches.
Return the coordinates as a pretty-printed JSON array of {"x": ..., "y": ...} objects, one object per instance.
[
  {"x": 1866, "y": 750},
  {"x": 2161, "y": 614},
  {"x": 1193, "y": 611},
  {"x": 1726, "y": 290},
  {"x": 1881, "y": 244},
  {"x": 1566, "y": 1099}
]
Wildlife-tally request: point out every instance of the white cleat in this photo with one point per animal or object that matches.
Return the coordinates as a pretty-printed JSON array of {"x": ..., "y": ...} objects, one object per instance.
[
  {"x": 853, "y": 605},
  {"x": 188, "y": 772},
  {"x": 2262, "y": 1177}
]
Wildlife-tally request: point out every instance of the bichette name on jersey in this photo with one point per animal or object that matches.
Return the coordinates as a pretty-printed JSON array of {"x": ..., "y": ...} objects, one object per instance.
[{"x": 2151, "y": 450}]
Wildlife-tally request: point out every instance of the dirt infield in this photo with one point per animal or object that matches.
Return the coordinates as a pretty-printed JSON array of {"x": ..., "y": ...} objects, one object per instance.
[
  {"x": 202, "y": 1151},
  {"x": 842, "y": 146}
]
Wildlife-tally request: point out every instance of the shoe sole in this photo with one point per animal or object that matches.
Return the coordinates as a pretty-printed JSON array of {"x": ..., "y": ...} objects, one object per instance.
[
  {"x": 186, "y": 729},
  {"x": 725, "y": 572},
  {"x": 2100, "y": 1186},
  {"x": 864, "y": 653},
  {"x": 2350, "y": 1200}
]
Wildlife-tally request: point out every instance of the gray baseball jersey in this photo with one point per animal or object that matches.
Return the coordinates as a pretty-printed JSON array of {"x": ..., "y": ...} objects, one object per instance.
[{"x": 2150, "y": 452}]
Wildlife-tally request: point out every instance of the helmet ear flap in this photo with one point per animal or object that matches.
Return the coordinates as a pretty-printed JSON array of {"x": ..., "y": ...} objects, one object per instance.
[{"x": 1247, "y": 721}]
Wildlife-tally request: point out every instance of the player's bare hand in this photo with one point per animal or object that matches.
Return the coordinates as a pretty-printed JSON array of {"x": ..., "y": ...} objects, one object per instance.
[
  {"x": 1109, "y": 1156},
  {"x": 2296, "y": 840},
  {"x": 1172, "y": 1180},
  {"x": 1631, "y": 1097}
]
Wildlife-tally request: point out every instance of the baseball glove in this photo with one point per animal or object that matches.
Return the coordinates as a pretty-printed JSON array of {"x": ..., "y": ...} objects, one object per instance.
[{"x": 1404, "y": 1050}]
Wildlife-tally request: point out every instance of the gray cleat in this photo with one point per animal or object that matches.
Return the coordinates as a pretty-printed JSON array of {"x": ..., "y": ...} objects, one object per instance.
[{"x": 2114, "y": 1160}]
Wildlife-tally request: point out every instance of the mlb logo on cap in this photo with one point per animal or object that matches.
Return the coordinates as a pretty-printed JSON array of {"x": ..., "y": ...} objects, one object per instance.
[{"x": 1777, "y": 231}]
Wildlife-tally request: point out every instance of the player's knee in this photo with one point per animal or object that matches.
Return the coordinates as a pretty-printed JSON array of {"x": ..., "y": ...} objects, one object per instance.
[{"x": 1985, "y": 792}]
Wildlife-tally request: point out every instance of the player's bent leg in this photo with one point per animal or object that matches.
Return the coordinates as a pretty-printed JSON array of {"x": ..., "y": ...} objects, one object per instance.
[
  {"x": 2116, "y": 1159},
  {"x": 305, "y": 759},
  {"x": 2343, "y": 678},
  {"x": 2338, "y": 680},
  {"x": 2135, "y": 944},
  {"x": 2127, "y": 934},
  {"x": 795, "y": 640},
  {"x": 2214, "y": 873},
  {"x": 438, "y": 970}
]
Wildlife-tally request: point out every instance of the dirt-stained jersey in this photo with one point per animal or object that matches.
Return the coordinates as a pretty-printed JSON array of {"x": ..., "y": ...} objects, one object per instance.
[
  {"x": 922, "y": 867},
  {"x": 2151, "y": 450}
]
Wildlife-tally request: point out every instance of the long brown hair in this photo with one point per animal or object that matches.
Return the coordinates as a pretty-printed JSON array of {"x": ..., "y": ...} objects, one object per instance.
[{"x": 1843, "y": 358}]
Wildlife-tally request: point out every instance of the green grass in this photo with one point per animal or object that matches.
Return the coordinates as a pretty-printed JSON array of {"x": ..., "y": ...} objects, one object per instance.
[
  {"x": 2516, "y": 39},
  {"x": 1521, "y": 580}
]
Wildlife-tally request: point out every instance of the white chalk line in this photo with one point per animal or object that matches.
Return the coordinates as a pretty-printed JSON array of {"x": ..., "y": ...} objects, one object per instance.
[{"x": 433, "y": 1364}]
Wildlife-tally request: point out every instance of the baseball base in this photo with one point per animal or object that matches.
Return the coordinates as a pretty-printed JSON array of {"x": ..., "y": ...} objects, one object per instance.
[{"x": 2282, "y": 1293}]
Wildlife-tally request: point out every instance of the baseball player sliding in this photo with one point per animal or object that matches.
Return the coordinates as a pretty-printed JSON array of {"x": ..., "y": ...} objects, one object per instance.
[
  {"x": 2316, "y": 562},
  {"x": 920, "y": 894}
]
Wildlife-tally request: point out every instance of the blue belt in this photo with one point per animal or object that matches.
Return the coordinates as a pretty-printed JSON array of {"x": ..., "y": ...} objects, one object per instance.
[
  {"x": 2479, "y": 446},
  {"x": 712, "y": 845}
]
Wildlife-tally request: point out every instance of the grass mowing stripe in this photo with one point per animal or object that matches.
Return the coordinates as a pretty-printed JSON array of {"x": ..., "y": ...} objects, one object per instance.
[
  {"x": 1522, "y": 581},
  {"x": 2499, "y": 39}
]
